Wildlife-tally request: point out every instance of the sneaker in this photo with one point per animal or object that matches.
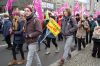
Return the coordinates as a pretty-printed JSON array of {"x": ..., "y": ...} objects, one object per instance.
[
  {"x": 12, "y": 62},
  {"x": 21, "y": 62},
  {"x": 57, "y": 50},
  {"x": 48, "y": 51}
]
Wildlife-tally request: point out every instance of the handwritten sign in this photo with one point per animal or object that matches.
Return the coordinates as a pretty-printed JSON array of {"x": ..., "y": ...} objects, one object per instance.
[{"x": 54, "y": 27}]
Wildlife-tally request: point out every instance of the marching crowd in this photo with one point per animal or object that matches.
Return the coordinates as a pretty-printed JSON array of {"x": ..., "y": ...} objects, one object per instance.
[{"x": 25, "y": 27}]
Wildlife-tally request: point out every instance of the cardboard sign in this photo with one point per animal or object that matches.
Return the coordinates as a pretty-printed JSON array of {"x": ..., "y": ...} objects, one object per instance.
[{"x": 54, "y": 27}]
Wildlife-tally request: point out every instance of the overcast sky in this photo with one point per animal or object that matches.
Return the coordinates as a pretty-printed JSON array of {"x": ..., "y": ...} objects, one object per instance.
[{"x": 84, "y": 1}]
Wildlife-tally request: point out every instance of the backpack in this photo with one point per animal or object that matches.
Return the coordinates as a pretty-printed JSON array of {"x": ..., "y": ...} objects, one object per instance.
[{"x": 96, "y": 33}]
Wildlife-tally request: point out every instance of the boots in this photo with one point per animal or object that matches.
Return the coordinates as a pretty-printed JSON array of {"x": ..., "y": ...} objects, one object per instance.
[
  {"x": 12, "y": 62},
  {"x": 61, "y": 62},
  {"x": 48, "y": 51},
  {"x": 21, "y": 62}
]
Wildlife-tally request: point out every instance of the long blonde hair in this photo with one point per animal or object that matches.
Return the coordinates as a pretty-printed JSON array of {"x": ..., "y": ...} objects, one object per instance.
[{"x": 15, "y": 22}]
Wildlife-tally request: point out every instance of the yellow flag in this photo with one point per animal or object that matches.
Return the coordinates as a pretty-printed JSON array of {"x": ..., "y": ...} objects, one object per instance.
[
  {"x": 47, "y": 15},
  {"x": 54, "y": 27}
]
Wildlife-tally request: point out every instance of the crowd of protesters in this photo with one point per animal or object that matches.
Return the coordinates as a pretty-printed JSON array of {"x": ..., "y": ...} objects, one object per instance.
[{"x": 25, "y": 27}]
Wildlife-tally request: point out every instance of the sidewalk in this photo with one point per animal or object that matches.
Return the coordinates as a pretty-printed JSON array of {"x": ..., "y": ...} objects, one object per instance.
[
  {"x": 84, "y": 58},
  {"x": 81, "y": 58}
]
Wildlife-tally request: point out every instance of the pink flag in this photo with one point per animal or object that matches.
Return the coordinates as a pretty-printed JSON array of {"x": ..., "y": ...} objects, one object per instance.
[
  {"x": 77, "y": 8},
  {"x": 9, "y": 5},
  {"x": 38, "y": 8},
  {"x": 96, "y": 14},
  {"x": 61, "y": 9},
  {"x": 87, "y": 13}
]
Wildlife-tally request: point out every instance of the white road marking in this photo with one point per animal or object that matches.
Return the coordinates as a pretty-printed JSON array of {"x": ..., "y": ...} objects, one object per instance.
[{"x": 3, "y": 45}]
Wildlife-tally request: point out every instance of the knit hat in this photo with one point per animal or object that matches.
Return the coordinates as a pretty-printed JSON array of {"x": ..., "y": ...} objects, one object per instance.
[{"x": 29, "y": 8}]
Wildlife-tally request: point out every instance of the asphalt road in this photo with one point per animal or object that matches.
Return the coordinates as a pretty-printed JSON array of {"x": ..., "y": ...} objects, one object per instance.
[{"x": 6, "y": 55}]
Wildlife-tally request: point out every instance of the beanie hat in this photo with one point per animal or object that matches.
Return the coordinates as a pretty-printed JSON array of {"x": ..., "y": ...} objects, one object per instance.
[{"x": 29, "y": 8}]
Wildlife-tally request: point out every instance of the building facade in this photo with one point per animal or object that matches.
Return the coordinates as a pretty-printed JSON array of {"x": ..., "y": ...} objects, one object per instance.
[
  {"x": 91, "y": 6},
  {"x": 18, "y": 3}
]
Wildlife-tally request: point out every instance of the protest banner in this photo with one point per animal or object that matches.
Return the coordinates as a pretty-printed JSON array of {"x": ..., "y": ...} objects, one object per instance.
[{"x": 54, "y": 27}]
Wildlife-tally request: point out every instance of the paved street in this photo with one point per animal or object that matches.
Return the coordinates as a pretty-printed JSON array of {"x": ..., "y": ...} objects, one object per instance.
[
  {"x": 20, "y": 19},
  {"x": 6, "y": 55},
  {"x": 81, "y": 58}
]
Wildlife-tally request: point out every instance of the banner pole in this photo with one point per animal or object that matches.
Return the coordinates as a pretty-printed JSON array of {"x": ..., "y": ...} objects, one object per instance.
[
  {"x": 82, "y": 11},
  {"x": 45, "y": 36}
]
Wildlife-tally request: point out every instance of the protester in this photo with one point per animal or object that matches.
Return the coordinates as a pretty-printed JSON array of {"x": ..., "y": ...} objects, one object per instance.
[
  {"x": 96, "y": 39},
  {"x": 7, "y": 30},
  {"x": 69, "y": 26},
  {"x": 81, "y": 33},
  {"x": 88, "y": 29},
  {"x": 60, "y": 37},
  {"x": 33, "y": 30},
  {"x": 78, "y": 20},
  {"x": 42, "y": 37},
  {"x": 18, "y": 40},
  {"x": 92, "y": 25},
  {"x": 51, "y": 37}
]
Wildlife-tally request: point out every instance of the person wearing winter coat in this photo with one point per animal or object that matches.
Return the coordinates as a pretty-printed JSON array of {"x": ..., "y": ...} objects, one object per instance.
[
  {"x": 18, "y": 39},
  {"x": 50, "y": 37},
  {"x": 81, "y": 33},
  {"x": 33, "y": 30},
  {"x": 60, "y": 37},
  {"x": 92, "y": 25},
  {"x": 96, "y": 41},
  {"x": 69, "y": 26},
  {"x": 7, "y": 30}
]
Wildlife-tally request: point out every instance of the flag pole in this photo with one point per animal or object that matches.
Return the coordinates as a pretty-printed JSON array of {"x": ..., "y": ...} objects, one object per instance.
[{"x": 82, "y": 10}]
